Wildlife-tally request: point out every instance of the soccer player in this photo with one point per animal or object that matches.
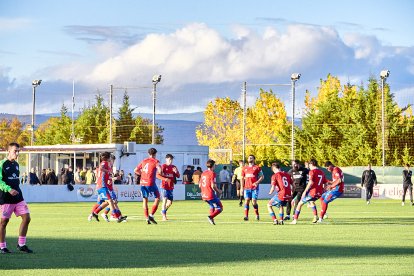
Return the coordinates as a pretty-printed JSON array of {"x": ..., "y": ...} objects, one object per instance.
[
  {"x": 149, "y": 169},
  {"x": 102, "y": 186},
  {"x": 299, "y": 176},
  {"x": 210, "y": 193},
  {"x": 281, "y": 182},
  {"x": 335, "y": 188},
  {"x": 252, "y": 175},
  {"x": 171, "y": 172},
  {"x": 114, "y": 198},
  {"x": 407, "y": 184},
  {"x": 237, "y": 176},
  {"x": 11, "y": 199},
  {"x": 313, "y": 191}
]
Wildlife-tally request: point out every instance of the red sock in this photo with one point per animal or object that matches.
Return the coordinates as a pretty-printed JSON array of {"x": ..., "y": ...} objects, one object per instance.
[
  {"x": 215, "y": 213},
  {"x": 211, "y": 211},
  {"x": 324, "y": 207},
  {"x": 98, "y": 209},
  {"x": 94, "y": 207},
  {"x": 154, "y": 209}
]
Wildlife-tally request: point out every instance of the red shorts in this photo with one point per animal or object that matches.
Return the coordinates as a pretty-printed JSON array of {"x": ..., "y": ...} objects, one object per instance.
[{"x": 18, "y": 209}]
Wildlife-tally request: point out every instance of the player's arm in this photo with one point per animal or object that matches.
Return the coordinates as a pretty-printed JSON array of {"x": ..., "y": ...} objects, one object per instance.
[
  {"x": 138, "y": 169},
  {"x": 160, "y": 174},
  {"x": 176, "y": 172},
  {"x": 3, "y": 186},
  {"x": 261, "y": 177},
  {"x": 375, "y": 178},
  {"x": 242, "y": 180},
  {"x": 214, "y": 186}
]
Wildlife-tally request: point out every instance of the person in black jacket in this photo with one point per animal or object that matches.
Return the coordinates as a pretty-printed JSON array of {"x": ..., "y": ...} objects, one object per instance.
[
  {"x": 368, "y": 180},
  {"x": 11, "y": 199},
  {"x": 407, "y": 184},
  {"x": 299, "y": 175}
]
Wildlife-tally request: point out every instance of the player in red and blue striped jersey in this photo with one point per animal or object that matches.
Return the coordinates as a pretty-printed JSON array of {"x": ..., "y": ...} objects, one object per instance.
[
  {"x": 210, "y": 193},
  {"x": 281, "y": 182},
  {"x": 313, "y": 191},
  {"x": 335, "y": 188}
]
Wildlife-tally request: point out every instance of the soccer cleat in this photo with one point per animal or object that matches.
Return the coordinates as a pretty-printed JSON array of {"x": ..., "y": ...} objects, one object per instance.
[
  {"x": 294, "y": 221},
  {"x": 325, "y": 216},
  {"x": 90, "y": 217},
  {"x": 275, "y": 222},
  {"x": 412, "y": 203},
  {"x": 151, "y": 218},
  {"x": 257, "y": 217},
  {"x": 4, "y": 251},
  {"x": 105, "y": 217},
  {"x": 95, "y": 216},
  {"x": 148, "y": 221},
  {"x": 287, "y": 218},
  {"x": 315, "y": 220},
  {"x": 24, "y": 249},
  {"x": 211, "y": 220},
  {"x": 320, "y": 220},
  {"x": 368, "y": 202},
  {"x": 121, "y": 219},
  {"x": 402, "y": 203},
  {"x": 246, "y": 218},
  {"x": 240, "y": 204},
  {"x": 281, "y": 222}
]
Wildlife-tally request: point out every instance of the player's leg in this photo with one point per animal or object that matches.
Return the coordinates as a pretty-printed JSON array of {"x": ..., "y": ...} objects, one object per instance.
[
  {"x": 289, "y": 205},
  {"x": 218, "y": 207},
  {"x": 299, "y": 208},
  {"x": 164, "y": 205},
  {"x": 410, "y": 190},
  {"x": 370, "y": 190},
  {"x": 145, "y": 195},
  {"x": 405, "y": 188},
  {"x": 270, "y": 205},
  {"x": 325, "y": 199},
  {"x": 281, "y": 212},
  {"x": 255, "y": 196},
  {"x": 247, "y": 197},
  {"x": 22, "y": 211},
  {"x": 314, "y": 211},
  {"x": 3, "y": 225}
]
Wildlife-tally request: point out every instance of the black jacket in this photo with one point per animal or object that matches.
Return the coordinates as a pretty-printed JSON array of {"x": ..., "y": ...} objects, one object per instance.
[
  {"x": 407, "y": 177},
  {"x": 368, "y": 178}
]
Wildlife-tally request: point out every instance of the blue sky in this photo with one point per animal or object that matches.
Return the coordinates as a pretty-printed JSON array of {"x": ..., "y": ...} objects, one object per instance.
[{"x": 203, "y": 49}]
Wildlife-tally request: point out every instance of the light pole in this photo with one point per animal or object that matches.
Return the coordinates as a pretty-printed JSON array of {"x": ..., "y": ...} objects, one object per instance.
[
  {"x": 244, "y": 90},
  {"x": 35, "y": 84},
  {"x": 294, "y": 77},
  {"x": 384, "y": 75},
  {"x": 155, "y": 80}
]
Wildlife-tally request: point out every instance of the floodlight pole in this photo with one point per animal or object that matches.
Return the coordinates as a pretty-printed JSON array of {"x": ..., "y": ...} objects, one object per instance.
[
  {"x": 293, "y": 78},
  {"x": 244, "y": 91},
  {"x": 154, "y": 96},
  {"x": 111, "y": 90}
]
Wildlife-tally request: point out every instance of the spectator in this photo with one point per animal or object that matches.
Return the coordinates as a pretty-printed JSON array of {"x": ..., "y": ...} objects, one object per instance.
[
  {"x": 122, "y": 176},
  {"x": 68, "y": 176},
  {"x": 224, "y": 182},
  {"x": 90, "y": 177},
  {"x": 82, "y": 175},
  {"x": 51, "y": 177},
  {"x": 129, "y": 179},
  {"x": 24, "y": 178},
  {"x": 117, "y": 178},
  {"x": 77, "y": 176},
  {"x": 197, "y": 174},
  {"x": 43, "y": 176},
  {"x": 60, "y": 175},
  {"x": 33, "y": 179},
  {"x": 188, "y": 175}
]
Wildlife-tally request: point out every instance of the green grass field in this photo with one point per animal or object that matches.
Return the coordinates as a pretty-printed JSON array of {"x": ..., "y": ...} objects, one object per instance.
[{"x": 356, "y": 239}]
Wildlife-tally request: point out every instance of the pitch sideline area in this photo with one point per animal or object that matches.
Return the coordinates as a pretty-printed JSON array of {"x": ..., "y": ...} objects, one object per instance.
[{"x": 355, "y": 239}]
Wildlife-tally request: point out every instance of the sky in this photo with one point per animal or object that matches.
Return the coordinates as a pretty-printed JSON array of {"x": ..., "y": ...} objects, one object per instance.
[{"x": 202, "y": 49}]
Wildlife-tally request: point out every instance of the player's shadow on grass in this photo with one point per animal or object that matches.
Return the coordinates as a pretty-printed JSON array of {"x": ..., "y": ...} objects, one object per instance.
[{"x": 76, "y": 253}]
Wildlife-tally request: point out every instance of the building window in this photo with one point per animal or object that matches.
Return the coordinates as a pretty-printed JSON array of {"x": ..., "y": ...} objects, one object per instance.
[{"x": 196, "y": 161}]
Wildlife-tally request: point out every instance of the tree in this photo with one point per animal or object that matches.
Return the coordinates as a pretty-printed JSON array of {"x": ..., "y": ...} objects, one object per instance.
[
  {"x": 125, "y": 122},
  {"x": 12, "y": 131},
  {"x": 56, "y": 130},
  {"x": 142, "y": 132},
  {"x": 222, "y": 127},
  {"x": 92, "y": 125}
]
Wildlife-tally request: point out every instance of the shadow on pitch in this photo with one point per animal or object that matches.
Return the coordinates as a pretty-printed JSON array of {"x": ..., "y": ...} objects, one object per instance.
[{"x": 101, "y": 254}]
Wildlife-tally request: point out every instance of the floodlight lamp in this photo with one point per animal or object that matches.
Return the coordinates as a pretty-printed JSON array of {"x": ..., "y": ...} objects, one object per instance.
[
  {"x": 36, "y": 82},
  {"x": 385, "y": 74},
  {"x": 156, "y": 78},
  {"x": 295, "y": 76}
]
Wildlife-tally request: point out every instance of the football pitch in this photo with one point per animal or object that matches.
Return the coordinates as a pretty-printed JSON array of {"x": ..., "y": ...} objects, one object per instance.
[{"x": 356, "y": 239}]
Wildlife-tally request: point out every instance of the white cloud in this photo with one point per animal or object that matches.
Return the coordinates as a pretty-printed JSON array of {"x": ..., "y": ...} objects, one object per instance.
[{"x": 13, "y": 24}]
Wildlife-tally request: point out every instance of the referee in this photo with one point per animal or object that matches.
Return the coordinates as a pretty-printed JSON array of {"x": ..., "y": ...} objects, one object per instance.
[
  {"x": 368, "y": 180},
  {"x": 407, "y": 184}
]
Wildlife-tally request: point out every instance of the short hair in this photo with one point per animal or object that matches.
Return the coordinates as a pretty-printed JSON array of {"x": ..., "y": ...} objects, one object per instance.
[
  {"x": 328, "y": 164},
  {"x": 113, "y": 157},
  {"x": 152, "y": 151},
  {"x": 199, "y": 168},
  {"x": 296, "y": 161},
  {"x": 407, "y": 165},
  {"x": 252, "y": 156},
  {"x": 210, "y": 163},
  {"x": 14, "y": 144},
  {"x": 105, "y": 155},
  {"x": 169, "y": 156},
  {"x": 313, "y": 162},
  {"x": 224, "y": 167},
  {"x": 242, "y": 161},
  {"x": 276, "y": 165}
]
